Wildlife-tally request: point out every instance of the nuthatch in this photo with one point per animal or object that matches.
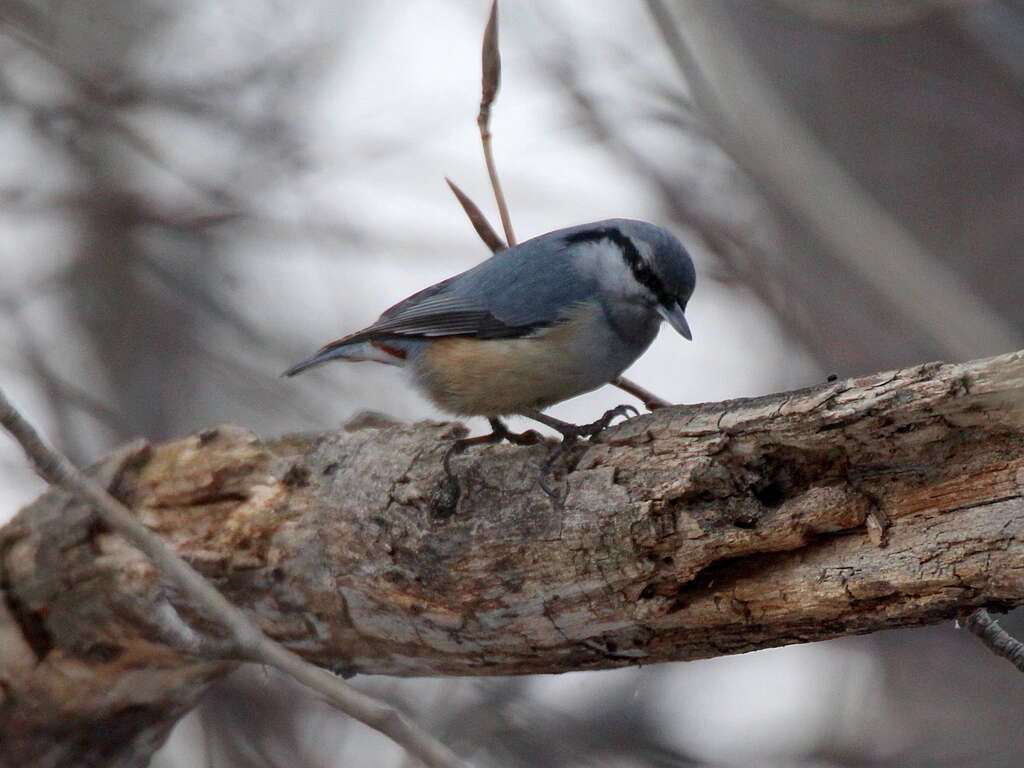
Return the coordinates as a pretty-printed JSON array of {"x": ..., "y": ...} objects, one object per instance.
[{"x": 538, "y": 323}]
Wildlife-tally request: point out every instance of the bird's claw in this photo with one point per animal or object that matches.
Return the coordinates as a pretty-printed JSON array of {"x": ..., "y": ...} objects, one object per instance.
[
  {"x": 570, "y": 434},
  {"x": 545, "y": 469},
  {"x": 573, "y": 432},
  {"x": 498, "y": 433},
  {"x": 609, "y": 416},
  {"x": 529, "y": 437},
  {"x": 594, "y": 428}
]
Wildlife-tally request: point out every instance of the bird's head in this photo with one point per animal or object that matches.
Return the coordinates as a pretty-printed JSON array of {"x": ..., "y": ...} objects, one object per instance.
[{"x": 642, "y": 262}]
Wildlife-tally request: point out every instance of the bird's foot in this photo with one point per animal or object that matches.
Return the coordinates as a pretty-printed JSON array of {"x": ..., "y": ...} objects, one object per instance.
[
  {"x": 575, "y": 431},
  {"x": 549, "y": 463},
  {"x": 595, "y": 428},
  {"x": 570, "y": 434},
  {"x": 498, "y": 433}
]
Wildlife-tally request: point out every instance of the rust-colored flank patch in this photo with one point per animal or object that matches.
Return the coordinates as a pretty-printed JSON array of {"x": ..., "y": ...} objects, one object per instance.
[{"x": 393, "y": 351}]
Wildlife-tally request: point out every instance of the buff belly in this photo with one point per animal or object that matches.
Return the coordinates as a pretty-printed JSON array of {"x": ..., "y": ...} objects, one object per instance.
[{"x": 473, "y": 377}]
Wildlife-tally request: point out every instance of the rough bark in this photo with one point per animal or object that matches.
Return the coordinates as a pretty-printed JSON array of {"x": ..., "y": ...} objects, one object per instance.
[{"x": 692, "y": 532}]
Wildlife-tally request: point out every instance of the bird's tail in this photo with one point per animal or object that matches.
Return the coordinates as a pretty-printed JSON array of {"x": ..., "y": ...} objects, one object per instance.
[
  {"x": 317, "y": 359},
  {"x": 390, "y": 353}
]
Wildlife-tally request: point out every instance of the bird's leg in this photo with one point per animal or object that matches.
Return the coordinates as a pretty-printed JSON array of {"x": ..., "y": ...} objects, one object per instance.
[
  {"x": 575, "y": 431},
  {"x": 529, "y": 437},
  {"x": 499, "y": 431},
  {"x": 570, "y": 434}
]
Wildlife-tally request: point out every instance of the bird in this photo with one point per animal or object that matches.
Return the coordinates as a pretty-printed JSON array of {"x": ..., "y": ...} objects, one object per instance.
[{"x": 540, "y": 322}]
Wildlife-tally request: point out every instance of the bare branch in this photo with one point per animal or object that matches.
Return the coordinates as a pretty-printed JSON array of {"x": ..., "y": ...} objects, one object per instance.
[
  {"x": 491, "y": 80},
  {"x": 491, "y": 63},
  {"x": 476, "y": 217},
  {"x": 650, "y": 400},
  {"x": 999, "y": 641},
  {"x": 249, "y": 641}
]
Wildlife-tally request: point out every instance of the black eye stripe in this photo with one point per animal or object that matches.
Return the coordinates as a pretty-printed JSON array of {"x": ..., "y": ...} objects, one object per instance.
[{"x": 640, "y": 269}]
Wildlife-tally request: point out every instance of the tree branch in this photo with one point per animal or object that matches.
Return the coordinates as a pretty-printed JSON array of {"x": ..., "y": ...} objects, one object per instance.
[
  {"x": 686, "y": 533},
  {"x": 981, "y": 624},
  {"x": 490, "y": 82},
  {"x": 249, "y": 642}
]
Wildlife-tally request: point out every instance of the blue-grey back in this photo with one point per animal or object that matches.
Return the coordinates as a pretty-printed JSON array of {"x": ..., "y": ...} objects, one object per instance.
[
  {"x": 535, "y": 283},
  {"x": 543, "y": 281},
  {"x": 531, "y": 283}
]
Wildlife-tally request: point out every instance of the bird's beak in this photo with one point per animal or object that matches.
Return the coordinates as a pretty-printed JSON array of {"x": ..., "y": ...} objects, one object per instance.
[{"x": 674, "y": 316}]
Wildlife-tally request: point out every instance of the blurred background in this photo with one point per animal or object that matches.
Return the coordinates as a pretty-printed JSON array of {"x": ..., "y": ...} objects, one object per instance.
[{"x": 194, "y": 195}]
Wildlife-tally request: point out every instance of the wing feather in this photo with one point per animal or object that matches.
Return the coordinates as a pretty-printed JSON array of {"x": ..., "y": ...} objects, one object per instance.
[{"x": 434, "y": 316}]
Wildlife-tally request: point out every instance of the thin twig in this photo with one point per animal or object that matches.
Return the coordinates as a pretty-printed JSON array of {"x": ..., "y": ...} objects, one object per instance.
[
  {"x": 249, "y": 641},
  {"x": 476, "y": 217},
  {"x": 999, "y": 641},
  {"x": 490, "y": 82},
  {"x": 650, "y": 400}
]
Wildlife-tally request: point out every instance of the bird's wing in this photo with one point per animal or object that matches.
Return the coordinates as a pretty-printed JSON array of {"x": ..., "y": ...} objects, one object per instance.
[{"x": 433, "y": 313}]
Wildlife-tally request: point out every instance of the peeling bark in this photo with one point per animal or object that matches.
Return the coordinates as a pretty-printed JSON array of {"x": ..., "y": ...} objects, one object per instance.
[{"x": 691, "y": 532}]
